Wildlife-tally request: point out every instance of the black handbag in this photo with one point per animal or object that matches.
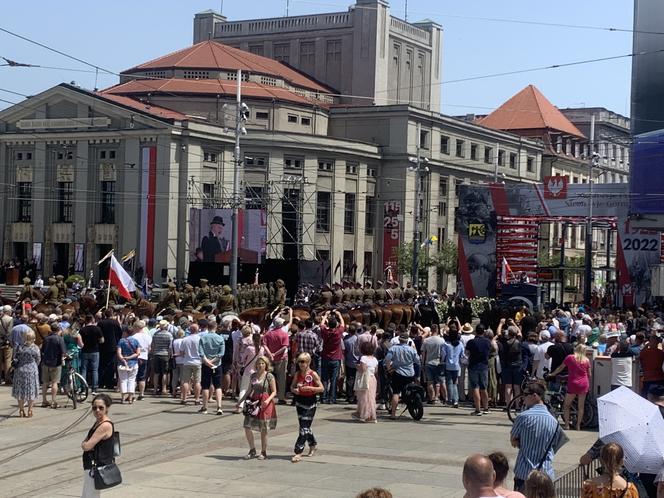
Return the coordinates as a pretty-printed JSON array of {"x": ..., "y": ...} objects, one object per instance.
[{"x": 106, "y": 476}]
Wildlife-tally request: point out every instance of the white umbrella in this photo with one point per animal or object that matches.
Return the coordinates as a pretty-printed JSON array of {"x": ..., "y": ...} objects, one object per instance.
[{"x": 637, "y": 425}]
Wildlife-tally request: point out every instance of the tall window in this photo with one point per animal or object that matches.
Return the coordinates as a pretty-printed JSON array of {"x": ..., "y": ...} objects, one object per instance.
[
  {"x": 368, "y": 264},
  {"x": 348, "y": 263},
  {"x": 307, "y": 54},
  {"x": 24, "y": 195},
  {"x": 323, "y": 212},
  {"x": 282, "y": 52},
  {"x": 512, "y": 160},
  {"x": 473, "y": 152},
  {"x": 333, "y": 51},
  {"x": 459, "y": 148},
  {"x": 108, "y": 202},
  {"x": 444, "y": 144},
  {"x": 501, "y": 158},
  {"x": 488, "y": 151},
  {"x": 208, "y": 195},
  {"x": 370, "y": 216},
  {"x": 65, "y": 202},
  {"x": 349, "y": 213}
]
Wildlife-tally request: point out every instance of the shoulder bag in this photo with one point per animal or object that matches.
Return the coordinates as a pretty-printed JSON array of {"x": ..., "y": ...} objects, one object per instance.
[
  {"x": 362, "y": 381},
  {"x": 242, "y": 368},
  {"x": 107, "y": 476},
  {"x": 252, "y": 408}
]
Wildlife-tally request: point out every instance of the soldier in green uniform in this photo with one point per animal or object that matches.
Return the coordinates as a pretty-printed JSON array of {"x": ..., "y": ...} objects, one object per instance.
[
  {"x": 27, "y": 292},
  {"x": 51, "y": 296},
  {"x": 226, "y": 302},
  {"x": 380, "y": 293},
  {"x": 113, "y": 296},
  {"x": 397, "y": 293},
  {"x": 270, "y": 293},
  {"x": 279, "y": 294},
  {"x": 188, "y": 298},
  {"x": 369, "y": 293},
  {"x": 170, "y": 298},
  {"x": 62, "y": 287},
  {"x": 359, "y": 293},
  {"x": 325, "y": 297},
  {"x": 262, "y": 295},
  {"x": 338, "y": 294},
  {"x": 348, "y": 293},
  {"x": 409, "y": 294},
  {"x": 204, "y": 295}
]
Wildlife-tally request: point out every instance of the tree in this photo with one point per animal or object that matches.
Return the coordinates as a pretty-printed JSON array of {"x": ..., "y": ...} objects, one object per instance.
[
  {"x": 445, "y": 260},
  {"x": 404, "y": 256}
]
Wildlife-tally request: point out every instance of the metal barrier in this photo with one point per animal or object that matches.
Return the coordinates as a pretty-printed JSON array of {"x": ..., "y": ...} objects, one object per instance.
[{"x": 570, "y": 484}]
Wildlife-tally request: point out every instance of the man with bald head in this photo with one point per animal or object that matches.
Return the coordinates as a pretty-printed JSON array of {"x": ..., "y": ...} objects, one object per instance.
[{"x": 478, "y": 477}]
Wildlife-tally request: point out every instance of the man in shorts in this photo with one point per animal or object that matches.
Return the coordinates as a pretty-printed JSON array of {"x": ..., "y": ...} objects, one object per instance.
[
  {"x": 400, "y": 361},
  {"x": 211, "y": 348},
  {"x": 191, "y": 365},
  {"x": 434, "y": 366},
  {"x": 160, "y": 350},
  {"x": 53, "y": 352},
  {"x": 477, "y": 351}
]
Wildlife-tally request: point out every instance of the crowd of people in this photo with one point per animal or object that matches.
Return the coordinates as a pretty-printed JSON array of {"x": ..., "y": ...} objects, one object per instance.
[{"x": 323, "y": 359}]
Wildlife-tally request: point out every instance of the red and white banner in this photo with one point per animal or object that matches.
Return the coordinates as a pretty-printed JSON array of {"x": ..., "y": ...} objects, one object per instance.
[
  {"x": 148, "y": 207},
  {"x": 120, "y": 278},
  {"x": 505, "y": 271},
  {"x": 391, "y": 232}
]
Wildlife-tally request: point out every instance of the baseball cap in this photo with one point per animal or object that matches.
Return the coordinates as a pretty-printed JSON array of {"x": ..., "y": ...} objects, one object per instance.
[{"x": 544, "y": 335}]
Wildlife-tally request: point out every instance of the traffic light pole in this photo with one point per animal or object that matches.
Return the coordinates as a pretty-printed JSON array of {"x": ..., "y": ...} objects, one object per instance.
[{"x": 235, "y": 253}]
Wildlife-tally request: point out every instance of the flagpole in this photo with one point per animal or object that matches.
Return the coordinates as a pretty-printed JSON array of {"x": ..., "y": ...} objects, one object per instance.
[{"x": 108, "y": 284}]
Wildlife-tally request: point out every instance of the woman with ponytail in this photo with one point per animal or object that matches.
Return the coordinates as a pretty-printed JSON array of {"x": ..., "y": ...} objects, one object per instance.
[{"x": 610, "y": 484}]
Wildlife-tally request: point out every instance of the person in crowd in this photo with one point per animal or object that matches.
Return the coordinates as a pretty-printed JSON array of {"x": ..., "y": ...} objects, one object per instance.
[
  {"x": 539, "y": 485},
  {"x": 610, "y": 483},
  {"x": 452, "y": 355},
  {"x": 351, "y": 358},
  {"x": 276, "y": 346},
  {"x": 6, "y": 325},
  {"x": 305, "y": 386},
  {"x": 73, "y": 345},
  {"x": 477, "y": 351},
  {"x": 478, "y": 477},
  {"x": 25, "y": 383},
  {"x": 112, "y": 332},
  {"x": 501, "y": 467},
  {"x": 578, "y": 383},
  {"x": 92, "y": 337},
  {"x": 511, "y": 361},
  {"x": 466, "y": 336},
  {"x": 375, "y": 493},
  {"x": 251, "y": 348},
  {"x": 262, "y": 390},
  {"x": 621, "y": 366},
  {"x": 332, "y": 329},
  {"x": 53, "y": 353},
  {"x": 493, "y": 377},
  {"x": 652, "y": 359},
  {"x": 127, "y": 352},
  {"x": 160, "y": 349},
  {"x": 535, "y": 433},
  {"x": 211, "y": 348},
  {"x": 540, "y": 361},
  {"x": 400, "y": 361},
  {"x": 557, "y": 353},
  {"x": 434, "y": 366},
  {"x": 366, "y": 398},
  {"x": 191, "y": 366},
  {"x": 98, "y": 446},
  {"x": 177, "y": 355},
  {"x": 308, "y": 341},
  {"x": 144, "y": 341}
]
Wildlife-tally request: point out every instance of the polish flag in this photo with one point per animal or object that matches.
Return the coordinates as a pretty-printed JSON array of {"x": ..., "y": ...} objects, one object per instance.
[
  {"x": 120, "y": 278},
  {"x": 504, "y": 271}
]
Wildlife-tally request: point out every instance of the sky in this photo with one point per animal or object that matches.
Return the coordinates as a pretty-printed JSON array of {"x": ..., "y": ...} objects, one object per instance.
[{"x": 478, "y": 40}]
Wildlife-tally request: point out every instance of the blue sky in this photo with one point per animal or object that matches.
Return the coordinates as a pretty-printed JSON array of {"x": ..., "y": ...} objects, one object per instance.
[{"x": 120, "y": 34}]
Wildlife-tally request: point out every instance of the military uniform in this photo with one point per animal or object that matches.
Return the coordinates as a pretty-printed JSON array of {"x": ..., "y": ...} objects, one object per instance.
[
  {"x": 226, "y": 301},
  {"x": 51, "y": 296},
  {"x": 397, "y": 293},
  {"x": 170, "y": 298},
  {"x": 270, "y": 293},
  {"x": 188, "y": 297},
  {"x": 409, "y": 294},
  {"x": 113, "y": 296},
  {"x": 348, "y": 295},
  {"x": 380, "y": 293},
  {"x": 359, "y": 294},
  {"x": 279, "y": 294},
  {"x": 204, "y": 295},
  {"x": 369, "y": 294},
  {"x": 338, "y": 294},
  {"x": 62, "y": 287},
  {"x": 263, "y": 296},
  {"x": 325, "y": 297}
]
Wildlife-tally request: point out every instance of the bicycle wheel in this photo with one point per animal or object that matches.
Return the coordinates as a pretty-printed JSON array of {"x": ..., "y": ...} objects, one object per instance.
[
  {"x": 415, "y": 408},
  {"x": 516, "y": 406},
  {"x": 80, "y": 387},
  {"x": 71, "y": 390}
]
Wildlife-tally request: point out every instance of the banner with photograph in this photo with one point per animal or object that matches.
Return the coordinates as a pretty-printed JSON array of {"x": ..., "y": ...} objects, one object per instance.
[
  {"x": 210, "y": 235},
  {"x": 391, "y": 232},
  {"x": 79, "y": 259}
]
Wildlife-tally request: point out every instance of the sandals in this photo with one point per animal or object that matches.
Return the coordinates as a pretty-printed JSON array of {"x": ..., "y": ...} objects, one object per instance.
[
  {"x": 312, "y": 450},
  {"x": 54, "y": 405},
  {"x": 30, "y": 413},
  {"x": 251, "y": 454},
  {"x": 45, "y": 404},
  {"x": 296, "y": 458},
  {"x": 21, "y": 413},
  {"x": 262, "y": 456}
]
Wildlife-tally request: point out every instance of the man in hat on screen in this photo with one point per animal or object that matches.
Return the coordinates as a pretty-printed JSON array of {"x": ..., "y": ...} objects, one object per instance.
[{"x": 213, "y": 243}]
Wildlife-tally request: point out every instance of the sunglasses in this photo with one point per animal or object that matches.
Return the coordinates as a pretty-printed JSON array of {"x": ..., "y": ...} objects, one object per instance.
[
  {"x": 98, "y": 408},
  {"x": 303, "y": 361}
]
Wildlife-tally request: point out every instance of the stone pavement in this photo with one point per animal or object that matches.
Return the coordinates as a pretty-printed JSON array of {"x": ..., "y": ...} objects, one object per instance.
[{"x": 176, "y": 452}]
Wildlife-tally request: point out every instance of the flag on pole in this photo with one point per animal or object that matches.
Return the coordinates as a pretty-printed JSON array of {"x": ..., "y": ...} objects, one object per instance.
[
  {"x": 146, "y": 288},
  {"x": 429, "y": 241},
  {"x": 129, "y": 256},
  {"x": 389, "y": 273},
  {"x": 105, "y": 257},
  {"x": 256, "y": 277},
  {"x": 337, "y": 267},
  {"x": 120, "y": 278},
  {"x": 504, "y": 271}
]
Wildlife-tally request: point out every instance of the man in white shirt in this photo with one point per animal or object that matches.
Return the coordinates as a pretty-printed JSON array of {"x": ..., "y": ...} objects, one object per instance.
[
  {"x": 144, "y": 341},
  {"x": 540, "y": 361},
  {"x": 191, "y": 365}
]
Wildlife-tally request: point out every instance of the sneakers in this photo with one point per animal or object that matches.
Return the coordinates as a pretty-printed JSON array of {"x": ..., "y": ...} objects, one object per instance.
[
  {"x": 382, "y": 406},
  {"x": 220, "y": 411},
  {"x": 486, "y": 410},
  {"x": 202, "y": 410},
  {"x": 477, "y": 413}
]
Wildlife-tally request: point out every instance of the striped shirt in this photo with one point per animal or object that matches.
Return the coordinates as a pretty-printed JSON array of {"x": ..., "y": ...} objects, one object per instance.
[
  {"x": 161, "y": 343},
  {"x": 535, "y": 429}
]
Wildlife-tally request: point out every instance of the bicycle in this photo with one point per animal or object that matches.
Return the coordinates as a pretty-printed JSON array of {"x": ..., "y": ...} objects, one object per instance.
[{"x": 76, "y": 388}]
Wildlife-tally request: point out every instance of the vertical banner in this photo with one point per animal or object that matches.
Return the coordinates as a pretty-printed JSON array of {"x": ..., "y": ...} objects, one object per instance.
[
  {"x": 37, "y": 255},
  {"x": 79, "y": 260},
  {"x": 638, "y": 251},
  {"x": 147, "y": 207},
  {"x": 391, "y": 232}
]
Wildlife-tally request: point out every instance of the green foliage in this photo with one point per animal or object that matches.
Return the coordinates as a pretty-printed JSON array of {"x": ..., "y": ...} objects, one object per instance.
[
  {"x": 404, "y": 257},
  {"x": 71, "y": 279},
  {"x": 445, "y": 260}
]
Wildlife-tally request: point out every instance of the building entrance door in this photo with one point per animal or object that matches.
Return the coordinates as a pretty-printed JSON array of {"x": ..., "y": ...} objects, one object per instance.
[{"x": 61, "y": 259}]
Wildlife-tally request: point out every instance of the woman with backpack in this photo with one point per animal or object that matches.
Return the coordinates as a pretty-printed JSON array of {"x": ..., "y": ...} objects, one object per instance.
[{"x": 511, "y": 360}]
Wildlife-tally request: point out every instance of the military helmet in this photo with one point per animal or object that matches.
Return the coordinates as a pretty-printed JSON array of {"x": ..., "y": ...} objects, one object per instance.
[{"x": 26, "y": 280}]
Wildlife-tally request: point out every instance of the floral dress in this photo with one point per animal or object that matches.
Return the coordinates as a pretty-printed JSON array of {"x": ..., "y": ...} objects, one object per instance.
[
  {"x": 596, "y": 490},
  {"x": 259, "y": 389},
  {"x": 26, "y": 373}
]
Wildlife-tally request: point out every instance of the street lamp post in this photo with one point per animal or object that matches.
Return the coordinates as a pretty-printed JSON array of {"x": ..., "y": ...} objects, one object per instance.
[
  {"x": 588, "y": 252},
  {"x": 420, "y": 166}
]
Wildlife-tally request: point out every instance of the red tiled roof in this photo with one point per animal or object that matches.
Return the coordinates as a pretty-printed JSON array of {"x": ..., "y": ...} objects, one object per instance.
[
  {"x": 213, "y": 87},
  {"x": 214, "y": 55},
  {"x": 529, "y": 110},
  {"x": 160, "y": 112}
]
